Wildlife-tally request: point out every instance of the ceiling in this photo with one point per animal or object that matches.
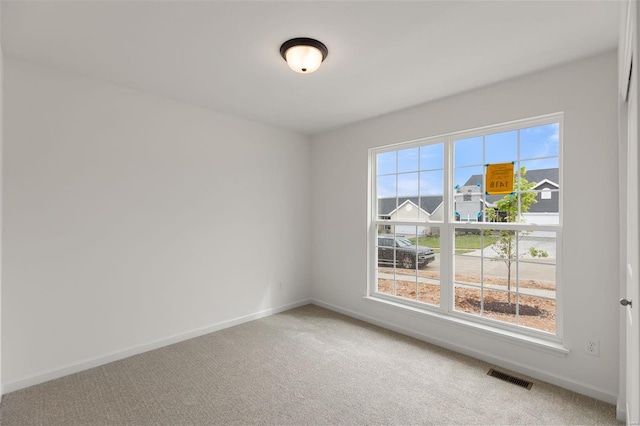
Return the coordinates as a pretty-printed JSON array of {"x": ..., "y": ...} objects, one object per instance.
[{"x": 383, "y": 56}]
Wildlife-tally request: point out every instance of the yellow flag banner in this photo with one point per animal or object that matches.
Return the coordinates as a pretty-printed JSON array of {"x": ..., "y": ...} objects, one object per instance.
[{"x": 499, "y": 179}]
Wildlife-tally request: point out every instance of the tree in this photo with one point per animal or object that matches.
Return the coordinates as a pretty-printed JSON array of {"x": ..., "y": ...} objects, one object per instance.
[{"x": 507, "y": 211}]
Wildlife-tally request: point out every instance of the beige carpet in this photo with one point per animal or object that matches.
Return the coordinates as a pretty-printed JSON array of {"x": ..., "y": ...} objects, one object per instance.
[{"x": 304, "y": 366}]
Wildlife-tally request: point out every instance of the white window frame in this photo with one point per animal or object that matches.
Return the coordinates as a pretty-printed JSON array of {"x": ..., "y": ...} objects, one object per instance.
[{"x": 445, "y": 311}]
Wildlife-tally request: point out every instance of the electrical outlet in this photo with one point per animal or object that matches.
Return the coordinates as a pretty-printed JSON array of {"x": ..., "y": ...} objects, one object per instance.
[
  {"x": 592, "y": 347},
  {"x": 279, "y": 285}
]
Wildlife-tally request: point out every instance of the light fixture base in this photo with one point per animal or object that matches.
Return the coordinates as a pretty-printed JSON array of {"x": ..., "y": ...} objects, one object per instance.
[{"x": 303, "y": 54}]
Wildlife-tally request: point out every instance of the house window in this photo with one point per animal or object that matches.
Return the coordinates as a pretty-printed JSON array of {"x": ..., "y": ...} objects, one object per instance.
[{"x": 487, "y": 258}]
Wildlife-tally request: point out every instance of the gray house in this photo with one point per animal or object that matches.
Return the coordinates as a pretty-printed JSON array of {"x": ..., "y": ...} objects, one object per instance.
[{"x": 545, "y": 210}]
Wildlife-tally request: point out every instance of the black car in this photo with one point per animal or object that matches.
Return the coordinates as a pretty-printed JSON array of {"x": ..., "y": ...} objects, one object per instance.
[{"x": 400, "y": 251}]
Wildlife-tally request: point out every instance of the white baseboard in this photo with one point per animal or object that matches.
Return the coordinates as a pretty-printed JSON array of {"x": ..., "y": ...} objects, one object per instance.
[
  {"x": 621, "y": 414},
  {"x": 115, "y": 356},
  {"x": 563, "y": 382}
]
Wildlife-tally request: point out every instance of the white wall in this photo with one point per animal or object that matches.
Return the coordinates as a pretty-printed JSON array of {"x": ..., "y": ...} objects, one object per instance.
[
  {"x": 129, "y": 222},
  {"x": 586, "y": 92}
]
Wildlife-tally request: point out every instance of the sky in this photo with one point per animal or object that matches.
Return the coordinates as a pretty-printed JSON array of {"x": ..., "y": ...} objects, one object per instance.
[{"x": 419, "y": 170}]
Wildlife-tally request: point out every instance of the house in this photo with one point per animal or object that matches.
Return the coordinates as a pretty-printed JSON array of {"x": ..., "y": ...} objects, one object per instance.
[
  {"x": 469, "y": 203},
  {"x": 159, "y": 156},
  {"x": 547, "y": 206},
  {"x": 429, "y": 209}
]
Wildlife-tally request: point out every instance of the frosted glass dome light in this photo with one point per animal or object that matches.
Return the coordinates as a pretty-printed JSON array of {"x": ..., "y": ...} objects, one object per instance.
[{"x": 303, "y": 55}]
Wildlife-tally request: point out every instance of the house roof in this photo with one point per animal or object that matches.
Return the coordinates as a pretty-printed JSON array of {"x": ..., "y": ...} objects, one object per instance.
[
  {"x": 546, "y": 183},
  {"x": 408, "y": 202},
  {"x": 427, "y": 203}
]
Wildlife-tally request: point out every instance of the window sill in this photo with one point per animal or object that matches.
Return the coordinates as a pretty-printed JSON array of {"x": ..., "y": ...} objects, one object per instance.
[{"x": 530, "y": 342}]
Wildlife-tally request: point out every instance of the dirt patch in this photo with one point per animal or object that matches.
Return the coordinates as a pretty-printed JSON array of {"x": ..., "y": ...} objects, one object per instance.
[
  {"x": 468, "y": 278},
  {"x": 542, "y": 285},
  {"x": 534, "y": 312},
  {"x": 508, "y": 308},
  {"x": 426, "y": 293}
]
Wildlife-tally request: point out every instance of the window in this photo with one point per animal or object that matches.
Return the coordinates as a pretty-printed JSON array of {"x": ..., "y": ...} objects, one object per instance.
[{"x": 440, "y": 242}]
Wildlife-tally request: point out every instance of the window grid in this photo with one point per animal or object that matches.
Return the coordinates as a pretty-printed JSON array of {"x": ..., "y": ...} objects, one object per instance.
[{"x": 448, "y": 226}]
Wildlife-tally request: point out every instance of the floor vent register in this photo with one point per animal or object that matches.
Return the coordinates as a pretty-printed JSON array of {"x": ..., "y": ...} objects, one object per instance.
[{"x": 509, "y": 378}]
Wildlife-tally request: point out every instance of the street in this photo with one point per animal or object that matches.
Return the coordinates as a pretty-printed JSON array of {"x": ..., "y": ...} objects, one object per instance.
[{"x": 536, "y": 279}]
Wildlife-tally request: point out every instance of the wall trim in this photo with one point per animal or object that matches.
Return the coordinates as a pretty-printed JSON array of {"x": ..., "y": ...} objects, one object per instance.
[
  {"x": 530, "y": 342},
  {"x": 621, "y": 414},
  {"x": 135, "y": 350},
  {"x": 563, "y": 382}
]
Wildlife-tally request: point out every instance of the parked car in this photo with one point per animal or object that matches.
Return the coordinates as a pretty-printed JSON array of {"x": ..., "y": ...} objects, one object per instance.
[{"x": 400, "y": 251}]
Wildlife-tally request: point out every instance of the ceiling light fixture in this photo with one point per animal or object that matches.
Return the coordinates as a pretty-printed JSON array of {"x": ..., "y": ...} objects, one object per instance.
[{"x": 304, "y": 55}]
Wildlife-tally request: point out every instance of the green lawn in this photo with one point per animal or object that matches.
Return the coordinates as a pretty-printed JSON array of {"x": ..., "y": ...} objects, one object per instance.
[{"x": 464, "y": 243}]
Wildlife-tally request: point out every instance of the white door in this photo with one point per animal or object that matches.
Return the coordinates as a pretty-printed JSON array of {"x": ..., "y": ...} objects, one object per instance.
[
  {"x": 632, "y": 262},
  {"x": 630, "y": 298}
]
